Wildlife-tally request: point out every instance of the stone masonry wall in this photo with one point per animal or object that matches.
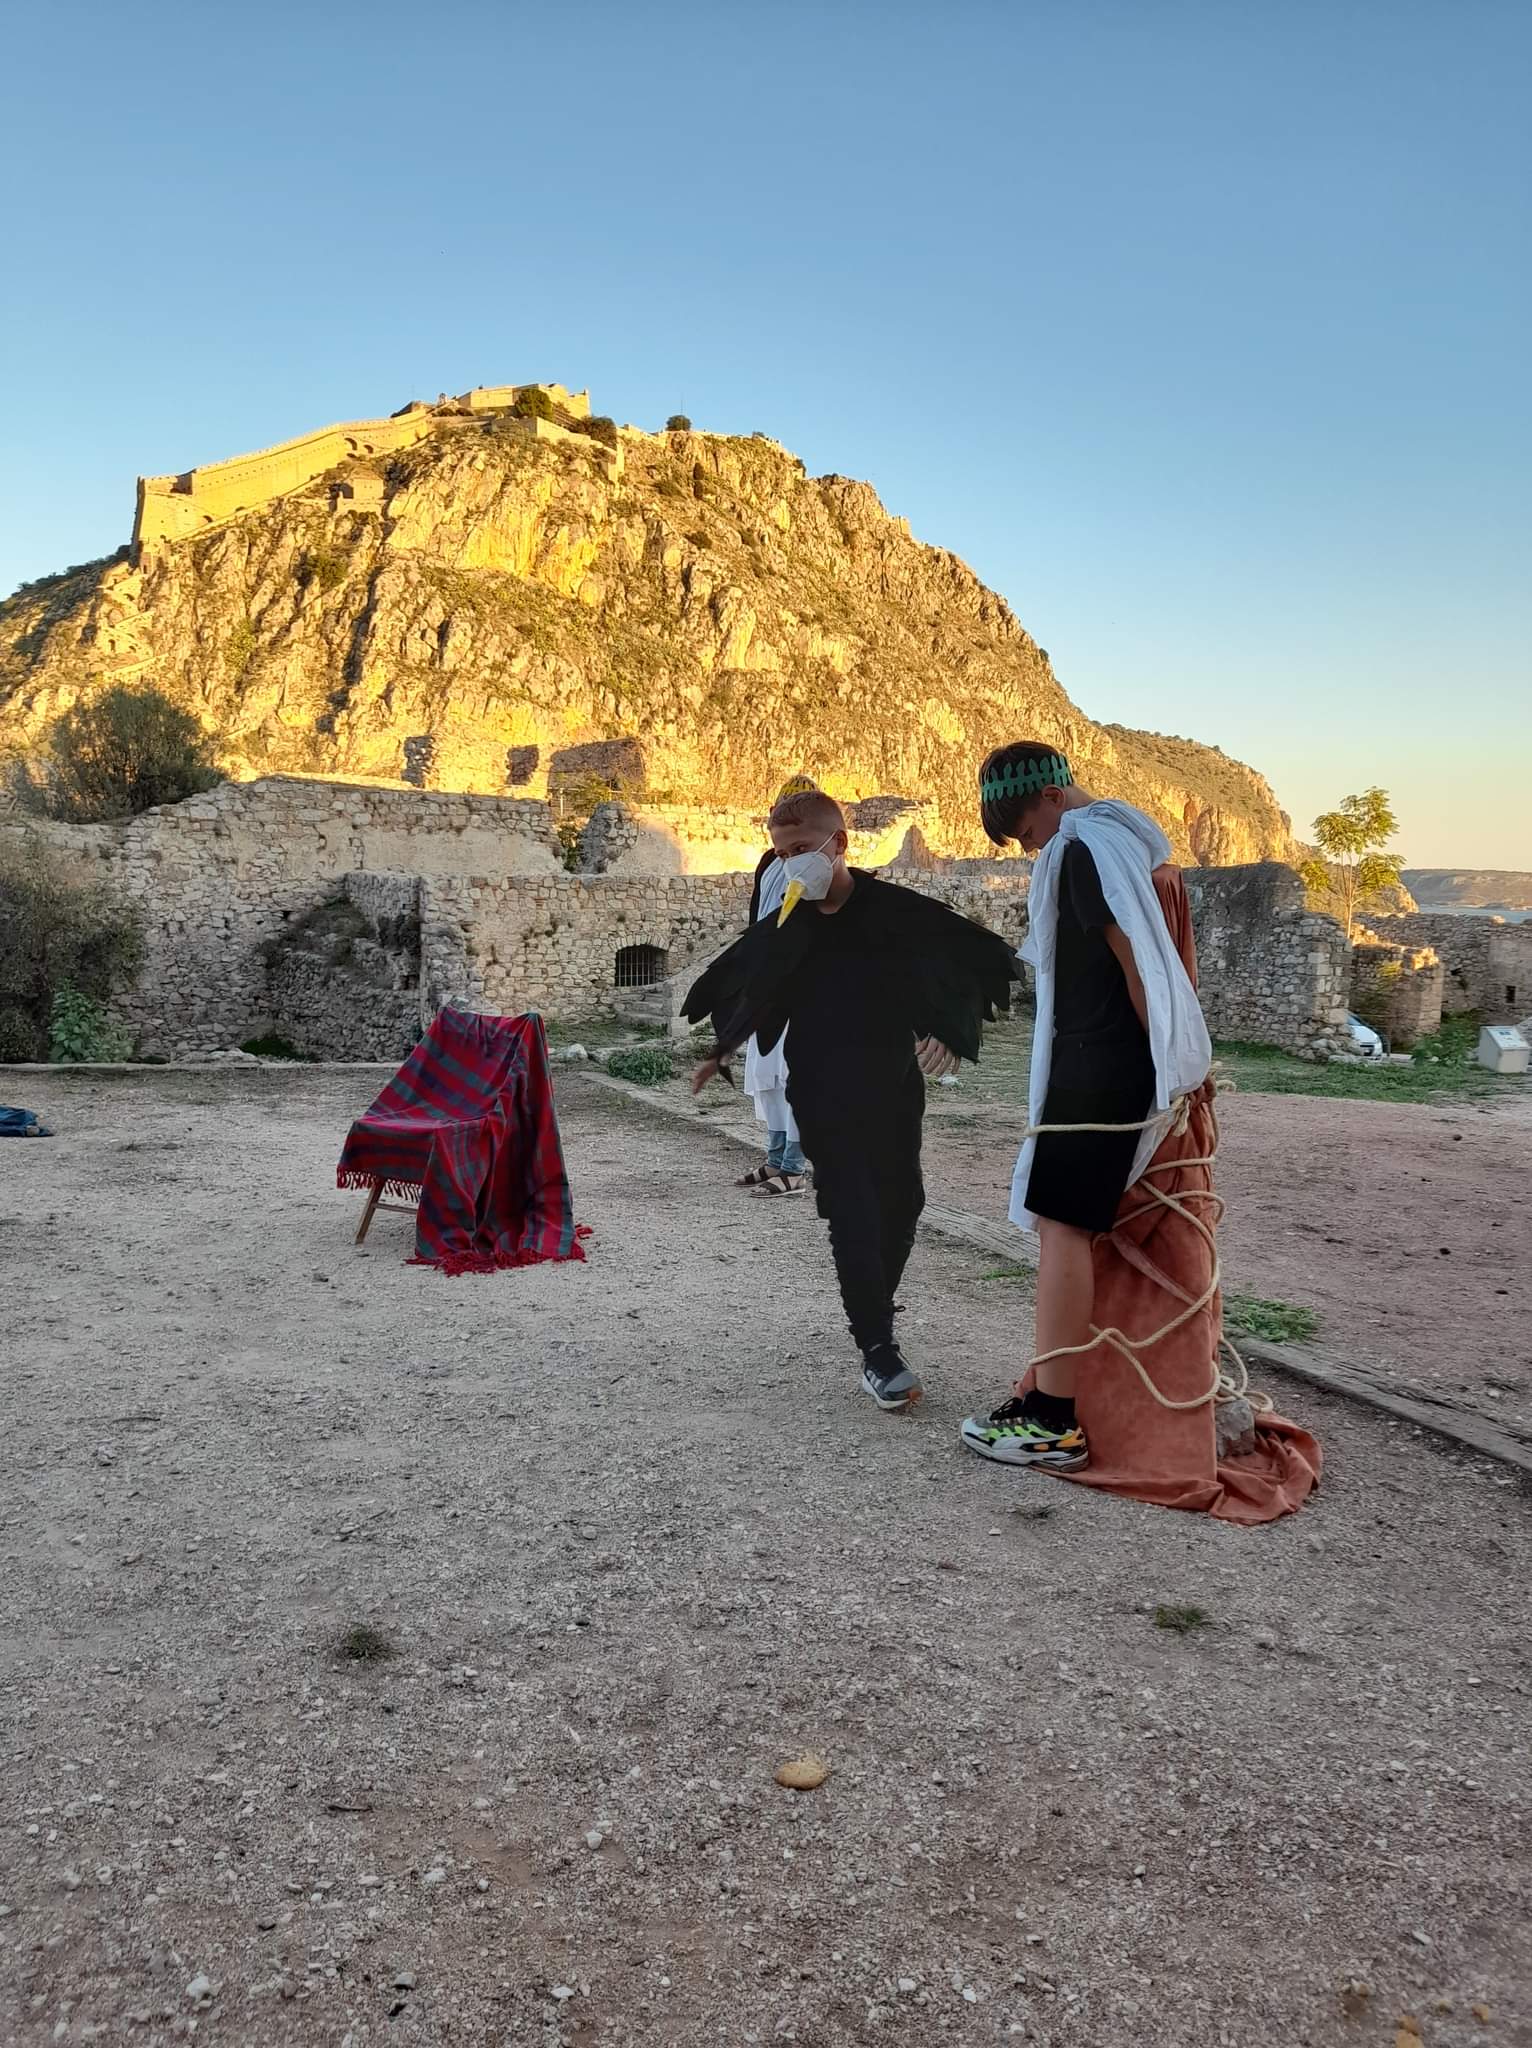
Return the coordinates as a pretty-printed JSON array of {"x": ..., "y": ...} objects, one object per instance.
[
  {"x": 1508, "y": 982},
  {"x": 1271, "y": 971},
  {"x": 366, "y": 1004},
  {"x": 473, "y": 891},
  {"x": 1396, "y": 989},
  {"x": 213, "y": 879},
  {"x": 552, "y": 944},
  {"x": 1484, "y": 957},
  {"x": 328, "y": 1013},
  {"x": 1461, "y": 943}
]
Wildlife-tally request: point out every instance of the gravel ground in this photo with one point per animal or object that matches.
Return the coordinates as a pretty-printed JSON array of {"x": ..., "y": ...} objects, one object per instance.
[
  {"x": 1406, "y": 1226},
  {"x": 637, "y": 1539}
]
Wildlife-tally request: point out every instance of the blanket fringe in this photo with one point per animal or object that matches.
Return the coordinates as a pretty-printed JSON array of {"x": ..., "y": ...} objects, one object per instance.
[
  {"x": 393, "y": 1190},
  {"x": 455, "y": 1264}
]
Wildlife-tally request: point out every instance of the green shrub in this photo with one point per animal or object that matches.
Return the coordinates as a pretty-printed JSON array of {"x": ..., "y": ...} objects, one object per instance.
[
  {"x": 239, "y": 649},
  {"x": 80, "y": 1028},
  {"x": 646, "y": 1064},
  {"x": 534, "y": 404},
  {"x": 1453, "y": 1044},
  {"x": 19, "y": 1036},
  {"x": 325, "y": 566},
  {"x": 599, "y": 427},
  {"x": 58, "y": 932},
  {"x": 121, "y": 753},
  {"x": 678, "y": 423}
]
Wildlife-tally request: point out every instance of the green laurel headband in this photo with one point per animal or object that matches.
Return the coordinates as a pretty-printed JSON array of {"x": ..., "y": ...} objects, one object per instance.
[{"x": 1026, "y": 778}]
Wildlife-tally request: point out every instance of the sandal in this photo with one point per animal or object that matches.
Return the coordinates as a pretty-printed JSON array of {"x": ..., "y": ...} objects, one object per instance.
[
  {"x": 755, "y": 1177},
  {"x": 783, "y": 1184}
]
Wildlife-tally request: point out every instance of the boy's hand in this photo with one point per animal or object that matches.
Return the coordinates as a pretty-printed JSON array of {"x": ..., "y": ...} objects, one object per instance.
[
  {"x": 707, "y": 1070},
  {"x": 935, "y": 1059}
]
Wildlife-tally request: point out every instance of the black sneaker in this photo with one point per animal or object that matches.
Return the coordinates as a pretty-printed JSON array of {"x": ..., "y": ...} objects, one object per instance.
[
  {"x": 1009, "y": 1438},
  {"x": 886, "y": 1375}
]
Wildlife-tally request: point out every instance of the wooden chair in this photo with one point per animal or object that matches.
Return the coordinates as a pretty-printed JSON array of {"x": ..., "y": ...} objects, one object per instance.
[{"x": 375, "y": 1202}]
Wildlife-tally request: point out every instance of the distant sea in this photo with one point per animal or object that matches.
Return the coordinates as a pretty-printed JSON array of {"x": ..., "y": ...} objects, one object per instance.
[{"x": 1477, "y": 910}]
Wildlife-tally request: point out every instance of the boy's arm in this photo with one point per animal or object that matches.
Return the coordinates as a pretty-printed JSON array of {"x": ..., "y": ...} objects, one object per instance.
[{"x": 1122, "y": 953}]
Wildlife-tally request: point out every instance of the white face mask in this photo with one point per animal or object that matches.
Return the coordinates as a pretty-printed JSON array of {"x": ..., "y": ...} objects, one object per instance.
[{"x": 813, "y": 872}]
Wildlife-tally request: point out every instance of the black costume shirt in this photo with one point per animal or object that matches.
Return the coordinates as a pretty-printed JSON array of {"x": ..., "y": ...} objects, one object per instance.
[
  {"x": 848, "y": 1000},
  {"x": 1096, "y": 1030}
]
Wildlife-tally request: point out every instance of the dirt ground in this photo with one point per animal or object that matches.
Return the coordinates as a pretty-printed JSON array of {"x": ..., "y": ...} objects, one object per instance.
[
  {"x": 1407, "y": 1227},
  {"x": 637, "y": 1538}
]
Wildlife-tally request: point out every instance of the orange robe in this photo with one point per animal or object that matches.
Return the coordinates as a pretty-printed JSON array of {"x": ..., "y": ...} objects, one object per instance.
[{"x": 1146, "y": 1268}]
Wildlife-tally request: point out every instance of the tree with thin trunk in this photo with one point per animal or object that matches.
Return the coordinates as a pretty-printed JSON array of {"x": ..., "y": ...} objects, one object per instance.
[{"x": 1351, "y": 863}]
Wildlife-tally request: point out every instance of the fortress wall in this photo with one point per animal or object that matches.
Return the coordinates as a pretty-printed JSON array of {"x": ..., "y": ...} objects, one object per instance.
[
  {"x": 170, "y": 507},
  {"x": 173, "y": 507}
]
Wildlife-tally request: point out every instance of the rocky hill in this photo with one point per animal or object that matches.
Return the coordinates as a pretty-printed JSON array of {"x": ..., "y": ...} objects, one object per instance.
[
  {"x": 466, "y": 612},
  {"x": 1469, "y": 888}
]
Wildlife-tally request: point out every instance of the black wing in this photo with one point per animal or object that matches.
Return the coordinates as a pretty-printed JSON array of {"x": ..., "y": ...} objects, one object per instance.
[
  {"x": 748, "y": 988},
  {"x": 958, "y": 975}
]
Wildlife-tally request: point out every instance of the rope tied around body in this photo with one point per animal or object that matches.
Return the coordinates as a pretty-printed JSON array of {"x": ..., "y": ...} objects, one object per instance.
[{"x": 1227, "y": 1384}]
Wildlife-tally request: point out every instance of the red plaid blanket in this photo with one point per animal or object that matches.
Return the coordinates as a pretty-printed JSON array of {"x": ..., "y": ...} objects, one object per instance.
[{"x": 467, "y": 1126}]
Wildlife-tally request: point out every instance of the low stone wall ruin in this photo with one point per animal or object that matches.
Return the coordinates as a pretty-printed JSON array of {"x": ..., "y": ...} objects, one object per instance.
[
  {"x": 1272, "y": 972},
  {"x": 1487, "y": 962},
  {"x": 216, "y": 878},
  {"x": 465, "y": 898},
  {"x": 1396, "y": 989}
]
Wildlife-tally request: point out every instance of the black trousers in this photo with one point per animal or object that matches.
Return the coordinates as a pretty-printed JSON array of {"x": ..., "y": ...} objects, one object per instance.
[{"x": 864, "y": 1145}]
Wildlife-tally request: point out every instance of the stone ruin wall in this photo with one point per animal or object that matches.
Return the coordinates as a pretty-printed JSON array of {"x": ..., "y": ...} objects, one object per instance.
[
  {"x": 679, "y": 839},
  {"x": 368, "y": 1006},
  {"x": 216, "y": 878},
  {"x": 1396, "y": 989},
  {"x": 1272, "y": 972},
  {"x": 223, "y": 882},
  {"x": 1487, "y": 963},
  {"x": 551, "y": 944}
]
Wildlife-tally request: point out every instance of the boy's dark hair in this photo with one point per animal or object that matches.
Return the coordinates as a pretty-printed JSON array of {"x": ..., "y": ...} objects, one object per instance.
[{"x": 1011, "y": 781}]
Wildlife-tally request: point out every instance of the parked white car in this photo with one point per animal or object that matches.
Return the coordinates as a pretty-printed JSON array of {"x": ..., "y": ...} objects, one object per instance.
[{"x": 1363, "y": 1040}]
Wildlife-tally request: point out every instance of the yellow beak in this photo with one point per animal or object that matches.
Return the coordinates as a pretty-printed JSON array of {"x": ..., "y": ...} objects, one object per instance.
[{"x": 790, "y": 902}]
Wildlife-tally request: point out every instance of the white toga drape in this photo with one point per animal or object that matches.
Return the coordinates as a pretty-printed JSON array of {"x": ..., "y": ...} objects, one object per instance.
[{"x": 766, "y": 1072}]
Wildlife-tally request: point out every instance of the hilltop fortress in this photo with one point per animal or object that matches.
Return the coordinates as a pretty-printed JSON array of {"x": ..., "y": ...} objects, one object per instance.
[
  {"x": 503, "y": 689},
  {"x": 500, "y": 594},
  {"x": 172, "y": 508}
]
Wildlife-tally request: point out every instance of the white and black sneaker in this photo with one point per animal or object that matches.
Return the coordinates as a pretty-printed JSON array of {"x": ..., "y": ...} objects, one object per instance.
[
  {"x": 1013, "y": 1437},
  {"x": 887, "y": 1377}
]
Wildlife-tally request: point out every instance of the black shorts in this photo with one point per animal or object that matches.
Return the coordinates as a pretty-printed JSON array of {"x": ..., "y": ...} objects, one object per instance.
[{"x": 1079, "y": 1177}]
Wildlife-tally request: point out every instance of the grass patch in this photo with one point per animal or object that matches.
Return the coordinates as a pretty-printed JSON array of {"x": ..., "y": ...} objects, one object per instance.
[
  {"x": 1182, "y": 1621},
  {"x": 1279, "y": 1322},
  {"x": 364, "y": 1644},
  {"x": 1008, "y": 1272},
  {"x": 1258, "y": 1070},
  {"x": 646, "y": 1064}
]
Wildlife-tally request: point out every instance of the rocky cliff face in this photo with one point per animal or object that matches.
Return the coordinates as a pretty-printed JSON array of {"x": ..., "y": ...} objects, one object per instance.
[
  {"x": 465, "y": 614},
  {"x": 1470, "y": 888}
]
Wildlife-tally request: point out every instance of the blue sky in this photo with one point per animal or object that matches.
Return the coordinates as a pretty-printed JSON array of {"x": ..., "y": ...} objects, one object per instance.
[{"x": 1200, "y": 330}]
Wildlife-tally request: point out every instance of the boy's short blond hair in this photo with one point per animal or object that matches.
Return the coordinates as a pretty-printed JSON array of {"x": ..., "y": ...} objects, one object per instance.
[{"x": 808, "y": 807}]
